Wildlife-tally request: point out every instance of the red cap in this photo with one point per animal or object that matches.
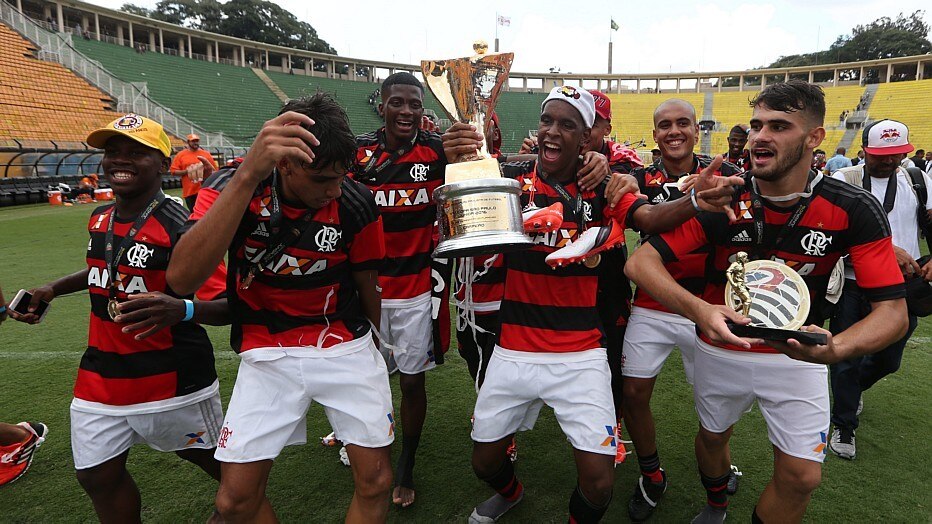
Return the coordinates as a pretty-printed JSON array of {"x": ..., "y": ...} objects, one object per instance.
[
  {"x": 603, "y": 106},
  {"x": 192, "y": 136}
]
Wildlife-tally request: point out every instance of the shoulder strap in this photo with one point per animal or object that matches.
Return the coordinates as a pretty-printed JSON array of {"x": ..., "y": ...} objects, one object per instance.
[{"x": 919, "y": 186}]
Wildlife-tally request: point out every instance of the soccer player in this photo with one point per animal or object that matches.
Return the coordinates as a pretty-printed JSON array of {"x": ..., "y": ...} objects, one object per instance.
[
  {"x": 181, "y": 166},
  {"x": 551, "y": 347},
  {"x": 304, "y": 244},
  {"x": 148, "y": 373},
  {"x": 737, "y": 154},
  {"x": 402, "y": 165},
  {"x": 808, "y": 221},
  {"x": 653, "y": 330}
]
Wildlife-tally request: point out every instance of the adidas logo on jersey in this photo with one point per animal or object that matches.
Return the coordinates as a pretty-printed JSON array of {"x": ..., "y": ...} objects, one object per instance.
[
  {"x": 261, "y": 230},
  {"x": 659, "y": 199},
  {"x": 742, "y": 236}
]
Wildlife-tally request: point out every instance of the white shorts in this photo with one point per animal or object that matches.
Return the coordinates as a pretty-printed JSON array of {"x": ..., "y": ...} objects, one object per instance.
[
  {"x": 268, "y": 409},
  {"x": 409, "y": 331},
  {"x": 650, "y": 338},
  {"x": 97, "y": 438},
  {"x": 792, "y": 396},
  {"x": 576, "y": 385}
]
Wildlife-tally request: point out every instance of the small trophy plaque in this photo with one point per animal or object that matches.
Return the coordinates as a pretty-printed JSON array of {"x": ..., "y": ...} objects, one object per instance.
[{"x": 773, "y": 296}]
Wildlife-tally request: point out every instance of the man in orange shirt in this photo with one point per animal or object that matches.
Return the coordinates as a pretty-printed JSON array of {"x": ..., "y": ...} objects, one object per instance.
[{"x": 192, "y": 164}]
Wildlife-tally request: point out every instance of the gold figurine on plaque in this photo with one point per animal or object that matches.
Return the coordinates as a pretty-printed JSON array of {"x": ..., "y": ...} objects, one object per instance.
[
  {"x": 738, "y": 283},
  {"x": 479, "y": 212}
]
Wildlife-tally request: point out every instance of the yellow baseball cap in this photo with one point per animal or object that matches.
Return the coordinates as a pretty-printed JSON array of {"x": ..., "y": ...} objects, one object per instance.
[{"x": 146, "y": 131}]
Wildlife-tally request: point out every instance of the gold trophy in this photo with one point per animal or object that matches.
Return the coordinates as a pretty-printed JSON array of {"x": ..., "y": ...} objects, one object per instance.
[
  {"x": 478, "y": 211},
  {"x": 773, "y": 296}
]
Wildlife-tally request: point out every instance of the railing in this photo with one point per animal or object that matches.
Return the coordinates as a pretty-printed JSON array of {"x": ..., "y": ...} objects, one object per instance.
[{"x": 131, "y": 97}]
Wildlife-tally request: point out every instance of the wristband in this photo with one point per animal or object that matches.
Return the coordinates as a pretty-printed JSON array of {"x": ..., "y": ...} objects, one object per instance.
[
  {"x": 692, "y": 198},
  {"x": 188, "y": 310},
  {"x": 2, "y": 310}
]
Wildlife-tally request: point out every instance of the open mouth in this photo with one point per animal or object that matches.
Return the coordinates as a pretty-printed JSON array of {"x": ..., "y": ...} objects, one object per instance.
[
  {"x": 550, "y": 152},
  {"x": 761, "y": 155},
  {"x": 404, "y": 125}
]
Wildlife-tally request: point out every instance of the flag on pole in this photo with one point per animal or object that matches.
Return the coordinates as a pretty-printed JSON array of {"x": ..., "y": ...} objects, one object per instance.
[
  {"x": 504, "y": 21},
  {"x": 614, "y": 25}
]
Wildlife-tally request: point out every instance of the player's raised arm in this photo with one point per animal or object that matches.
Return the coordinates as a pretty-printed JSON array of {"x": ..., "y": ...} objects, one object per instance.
[{"x": 203, "y": 247}]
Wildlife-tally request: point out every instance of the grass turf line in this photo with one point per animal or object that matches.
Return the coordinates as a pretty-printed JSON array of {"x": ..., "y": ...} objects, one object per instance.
[{"x": 888, "y": 481}]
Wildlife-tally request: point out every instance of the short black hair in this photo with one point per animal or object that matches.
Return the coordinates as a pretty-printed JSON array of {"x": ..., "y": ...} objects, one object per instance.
[
  {"x": 920, "y": 151},
  {"x": 792, "y": 96},
  {"x": 331, "y": 127},
  {"x": 655, "y": 151},
  {"x": 401, "y": 78}
]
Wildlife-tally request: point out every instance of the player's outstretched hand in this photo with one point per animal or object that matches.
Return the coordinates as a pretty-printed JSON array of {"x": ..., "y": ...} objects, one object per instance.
[
  {"x": 926, "y": 271},
  {"x": 282, "y": 137},
  {"x": 817, "y": 354},
  {"x": 39, "y": 294},
  {"x": 593, "y": 172},
  {"x": 149, "y": 313},
  {"x": 714, "y": 192},
  {"x": 712, "y": 321},
  {"x": 618, "y": 186},
  {"x": 529, "y": 146},
  {"x": 460, "y": 139}
]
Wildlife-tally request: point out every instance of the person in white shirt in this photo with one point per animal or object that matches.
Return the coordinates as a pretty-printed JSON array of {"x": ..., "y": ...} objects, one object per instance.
[{"x": 886, "y": 144}]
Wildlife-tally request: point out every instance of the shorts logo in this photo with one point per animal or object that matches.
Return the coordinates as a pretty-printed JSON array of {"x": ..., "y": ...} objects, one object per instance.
[
  {"x": 418, "y": 173},
  {"x": 815, "y": 243},
  {"x": 138, "y": 255},
  {"x": 821, "y": 447},
  {"x": 391, "y": 425},
  {"x": 129, "y": 121},
  {"x": 610, "y": 439},
  {"x": 225, "y": 434},
  {"x": 195, "y": 438},
  {"x": 327, "y": 239}
]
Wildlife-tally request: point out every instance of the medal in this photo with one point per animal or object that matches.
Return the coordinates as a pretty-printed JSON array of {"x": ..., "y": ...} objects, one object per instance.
[
  {"x": 593, "y": 261},
  {"x": 113, "y": 308},
  {"x": 247, "y": 280}
]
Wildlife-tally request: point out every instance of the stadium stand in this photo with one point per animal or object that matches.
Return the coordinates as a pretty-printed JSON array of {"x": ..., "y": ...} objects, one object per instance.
[
  {"x": 191, "y": 87},
  {"x": 44, "y": 101},
  {"x": 633, "y": 114},
  {"x": 906, "y": 102}
]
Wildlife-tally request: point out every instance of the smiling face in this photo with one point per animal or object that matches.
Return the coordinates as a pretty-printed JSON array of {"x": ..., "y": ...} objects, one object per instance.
[
  {"x": 675, "y": 130},
  {"x": 132, "y": 169},
  {"x": 781, "y": 142},
  {"x": 736, "y": 142},
  {"x": 402, "y": 107},
  {"x": 314, "y": 188},
  {"x": 561, "y": 136}
]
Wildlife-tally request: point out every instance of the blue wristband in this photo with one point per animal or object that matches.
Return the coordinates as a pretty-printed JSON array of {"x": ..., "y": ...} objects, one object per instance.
[
  {"x": 2, "y": 310},
  {"x": 188, "y": 310}
]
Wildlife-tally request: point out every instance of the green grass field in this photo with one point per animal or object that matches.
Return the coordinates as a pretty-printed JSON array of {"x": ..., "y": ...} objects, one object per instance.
[{"x": 889, "y": 481}]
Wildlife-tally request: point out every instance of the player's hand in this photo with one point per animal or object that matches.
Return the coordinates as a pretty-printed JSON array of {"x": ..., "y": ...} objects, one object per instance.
[
  {"x": 149, "y": 313},
  {"x": 712, "y": 321},
  {"x": 713, "y": 192},
  {"x": 529, "y": 146},
  {"x": 926, "y": 271},
  {"x": 39, "y": 294},
  {"x": 461, "y": 139},
  {"x": 208, "y": 166},
  {"x": 618, "y": 186},
  {"x": 593, "y": 171},
  {"x": 817, "y": 354},
  {"x": 282, "y": 137},
  {"x": 907, "y": 263}
]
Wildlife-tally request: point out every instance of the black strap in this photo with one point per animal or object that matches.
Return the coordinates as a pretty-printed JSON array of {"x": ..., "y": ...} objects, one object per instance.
[
  {"x": 922, "y": 216},
  {"x": 889, "y": 196},
  {"x": 112, "y": 261},
  {"x": 279, "y": 237},
  {"x": 757, "y": 202},
  {"x": 576, "y": 203},
  {"x": 373, "y": 167}
]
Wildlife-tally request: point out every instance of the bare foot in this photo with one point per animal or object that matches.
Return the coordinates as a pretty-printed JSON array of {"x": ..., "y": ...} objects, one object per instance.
[{"x": 403, "y": 496}]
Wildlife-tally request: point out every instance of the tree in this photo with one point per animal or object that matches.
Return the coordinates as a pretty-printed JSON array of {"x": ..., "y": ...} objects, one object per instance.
[
  {"x": 257, "y": 20},
  {"x": 882, "y": 38}
]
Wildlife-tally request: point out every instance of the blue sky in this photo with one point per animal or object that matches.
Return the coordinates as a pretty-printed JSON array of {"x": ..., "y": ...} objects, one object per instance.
[{"x": 655, "y": 36}]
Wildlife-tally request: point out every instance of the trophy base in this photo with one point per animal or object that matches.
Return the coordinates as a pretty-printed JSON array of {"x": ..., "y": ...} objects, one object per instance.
[
  {"x": 778, "y": 335},
  {"x": 479, "y": 244}
]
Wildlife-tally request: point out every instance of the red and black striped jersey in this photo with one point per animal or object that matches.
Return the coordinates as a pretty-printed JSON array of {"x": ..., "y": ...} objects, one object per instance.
[
  {"x": 306, "y": 295},
  {"x": 742, "y": 162},
  {"x": 488, "y": 284},
  {"x": 840, "y": 219},
  {"x": 659, "y": 187},
  {"x": 403, "y": 189},
  {"x": 119, "y": 373},
  {"x": 546, "y": 310}
]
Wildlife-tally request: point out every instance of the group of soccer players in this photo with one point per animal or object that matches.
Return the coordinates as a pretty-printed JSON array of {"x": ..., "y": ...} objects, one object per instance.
[{"x": 317, "y": 249}]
